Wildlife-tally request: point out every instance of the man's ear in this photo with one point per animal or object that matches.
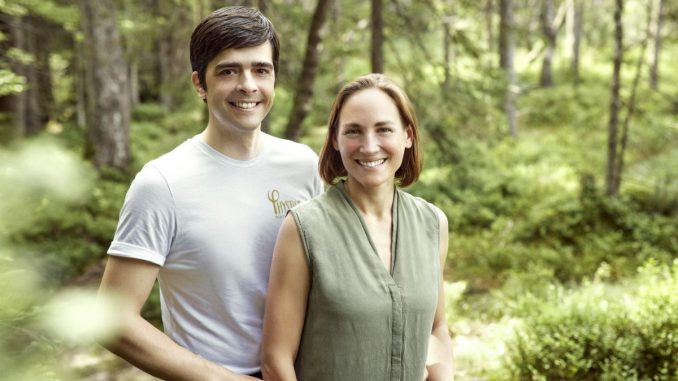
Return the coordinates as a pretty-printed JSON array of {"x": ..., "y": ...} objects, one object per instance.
[{"x": 198, "y": 87}]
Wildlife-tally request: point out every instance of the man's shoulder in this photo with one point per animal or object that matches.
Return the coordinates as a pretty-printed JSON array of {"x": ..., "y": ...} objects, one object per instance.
[{"x": 175, "y": 159}]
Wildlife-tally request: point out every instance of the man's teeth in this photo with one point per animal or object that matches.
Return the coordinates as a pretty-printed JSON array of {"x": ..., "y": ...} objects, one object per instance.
[
  {"x": 371, "y": 163},
  {"x": 245, "y": 105}
]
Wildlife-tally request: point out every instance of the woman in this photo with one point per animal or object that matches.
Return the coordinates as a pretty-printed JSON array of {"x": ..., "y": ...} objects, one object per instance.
[{"x": 356, "y": 286}]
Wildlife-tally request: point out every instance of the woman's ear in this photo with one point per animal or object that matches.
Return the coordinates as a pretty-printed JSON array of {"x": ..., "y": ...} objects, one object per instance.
[{"x": 410, "y": 137}]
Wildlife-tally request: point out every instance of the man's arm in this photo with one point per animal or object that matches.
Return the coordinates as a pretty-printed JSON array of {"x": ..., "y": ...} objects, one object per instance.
[
  {"x": 439, "y": 362},
  {"x": 139, "y": 342}
]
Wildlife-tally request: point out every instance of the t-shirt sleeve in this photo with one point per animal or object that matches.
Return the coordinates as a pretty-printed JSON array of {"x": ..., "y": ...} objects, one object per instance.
[
  {"x": 318, "y": 188},
  {"x": 147, "y": 223}
]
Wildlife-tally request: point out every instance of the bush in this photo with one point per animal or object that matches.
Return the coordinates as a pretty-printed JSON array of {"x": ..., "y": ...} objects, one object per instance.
[{"x": 601, "y": 332}]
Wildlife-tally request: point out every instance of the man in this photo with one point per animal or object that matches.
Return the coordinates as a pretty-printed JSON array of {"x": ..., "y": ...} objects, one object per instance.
[{"x": 203, "y": 218}]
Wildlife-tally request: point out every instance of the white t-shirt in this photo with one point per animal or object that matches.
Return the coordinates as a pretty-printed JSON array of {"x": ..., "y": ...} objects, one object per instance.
[{"x": 211, "y": 222}]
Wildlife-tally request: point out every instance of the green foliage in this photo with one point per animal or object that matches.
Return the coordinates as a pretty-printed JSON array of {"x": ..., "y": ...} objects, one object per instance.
[
  {"x": 34, "y": 176},
  {"x": 601, "y": 332},
  {"x": 155, "y": 132},
  {"x": 66, "y": 15},
  {"x": 10, "y": 83},
  {"x": 533, "y": 205},
  {"x": 65, "y": 239}
]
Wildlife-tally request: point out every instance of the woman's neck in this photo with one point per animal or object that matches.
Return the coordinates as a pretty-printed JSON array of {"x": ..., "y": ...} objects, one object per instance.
[{"x": 374, "y": 202}]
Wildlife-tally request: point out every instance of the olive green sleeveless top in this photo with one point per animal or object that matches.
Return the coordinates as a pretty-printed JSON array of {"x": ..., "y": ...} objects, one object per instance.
[{"x": 362, "y": 322}]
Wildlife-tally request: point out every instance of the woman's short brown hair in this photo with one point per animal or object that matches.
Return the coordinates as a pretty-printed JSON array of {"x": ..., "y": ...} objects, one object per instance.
[{"x": 330, "y": 165}]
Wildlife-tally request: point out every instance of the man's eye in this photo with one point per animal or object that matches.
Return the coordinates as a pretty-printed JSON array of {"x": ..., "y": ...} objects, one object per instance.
[
  {"x": 227, "y": 72},
  {"x": 263, "y": 71}
]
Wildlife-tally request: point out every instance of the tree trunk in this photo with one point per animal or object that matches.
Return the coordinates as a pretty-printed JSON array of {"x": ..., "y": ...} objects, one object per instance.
[
  {"x": 506, "y": 63},
  {"x": 377, "y": 52},
  {"x": 505, "y": 33},
  {"x": 262, "y": 6},
  {"x": 80, "y": 74},
  {"x": 576, "y": 17},
  {"x": 631, "y": 104},
  {"x": 133, "y": 74},
  {"x": 12, "y": 105},
  {"x": 304, "y": 88},
  {"x": 8, "y": 101},
  {"x": 447, "y": 42},
  {"x": 44, "y": 98},
  {"x": 173, "y": 53},
  {"x": 31, "y": 107},
  {"x": 612, "y": 178},
  {"x": 489, "y": 21},
  {"x": 657, "y": 42},
  {"x": 546, "y": 78},
  {"x": 108, "y": 101},
  {"x": 340, "y": 70}
]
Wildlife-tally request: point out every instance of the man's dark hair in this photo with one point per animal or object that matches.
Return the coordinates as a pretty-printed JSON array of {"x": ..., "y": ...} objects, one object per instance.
[{"x": 230, "y": 27}]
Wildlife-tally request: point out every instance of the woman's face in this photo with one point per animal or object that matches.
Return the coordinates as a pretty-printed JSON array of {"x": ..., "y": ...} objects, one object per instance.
[{"x": 371, "y": 138}]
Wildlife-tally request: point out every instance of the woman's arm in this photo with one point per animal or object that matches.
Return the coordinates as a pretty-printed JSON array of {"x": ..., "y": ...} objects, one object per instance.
[
  {"x": 440, "y": 363},
  {"x": 288, "y": 289}
]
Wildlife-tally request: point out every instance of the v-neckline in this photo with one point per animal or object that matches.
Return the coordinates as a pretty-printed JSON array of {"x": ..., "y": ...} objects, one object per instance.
[{"x": 394, "y": 230}]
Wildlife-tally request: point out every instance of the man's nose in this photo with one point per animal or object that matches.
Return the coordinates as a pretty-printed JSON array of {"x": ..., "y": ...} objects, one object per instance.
[{"x": 246, "y": 83}]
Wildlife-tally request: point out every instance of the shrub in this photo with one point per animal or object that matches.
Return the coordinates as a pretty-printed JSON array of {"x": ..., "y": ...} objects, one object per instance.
[{"x": 601, "y": 332}]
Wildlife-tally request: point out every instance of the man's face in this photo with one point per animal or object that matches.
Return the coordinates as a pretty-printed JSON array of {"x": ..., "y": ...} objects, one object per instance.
[{"x": 240, "y": 87}]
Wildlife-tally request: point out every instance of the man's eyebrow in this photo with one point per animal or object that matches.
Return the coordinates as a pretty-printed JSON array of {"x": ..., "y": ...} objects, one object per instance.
[
  {"x": 227, "y": 65},
  {"x": 238, "y": 65},
  {"x": 265, "y": 64}
]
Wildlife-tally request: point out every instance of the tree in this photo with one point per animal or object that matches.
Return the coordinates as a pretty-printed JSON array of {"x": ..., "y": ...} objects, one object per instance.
[
  {"x": 506, "y": 63},
  {"x": 657, "y": 42},
  {"x": 175, "y": 26},
  {"x": 575, "y": 12},
  {"x": 106, "y": 84},
  {"x": 28, "y": 50},
  {"x": 489, "y": 13},
  {"x": 612, "y": 178},
  {"x": 377, "y": 51},
  {"x": 549, "y": 31},
  {"x": 631, "y": 104},
  {"x": 304, "y": 87}
]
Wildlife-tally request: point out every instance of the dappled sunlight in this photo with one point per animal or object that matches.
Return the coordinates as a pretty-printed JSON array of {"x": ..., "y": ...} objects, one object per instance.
[
  {"x": 479, "y": 348},
  {"x": 34, "y": 174},
  {"x": 78, "y": 316}
]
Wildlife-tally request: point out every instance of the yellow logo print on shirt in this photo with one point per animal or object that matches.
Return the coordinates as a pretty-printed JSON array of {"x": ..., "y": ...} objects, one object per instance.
[{"x": 280, "y": 207}]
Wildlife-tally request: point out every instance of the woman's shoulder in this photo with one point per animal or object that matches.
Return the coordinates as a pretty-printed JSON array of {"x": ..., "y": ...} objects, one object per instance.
[
  {"x": 416, "y": 201},
  {"x": 323, "y": 201}
]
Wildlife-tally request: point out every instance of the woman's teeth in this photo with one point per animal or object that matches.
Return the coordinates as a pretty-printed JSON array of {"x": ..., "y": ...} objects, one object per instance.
[{"x": 371, "y": 163}]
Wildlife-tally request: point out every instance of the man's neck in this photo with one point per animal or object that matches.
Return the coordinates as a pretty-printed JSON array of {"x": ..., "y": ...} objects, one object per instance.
[{"x": 236, "y": 145}]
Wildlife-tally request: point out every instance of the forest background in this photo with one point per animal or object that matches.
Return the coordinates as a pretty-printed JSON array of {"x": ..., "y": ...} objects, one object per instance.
[{"x": 550, "y": 137}]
